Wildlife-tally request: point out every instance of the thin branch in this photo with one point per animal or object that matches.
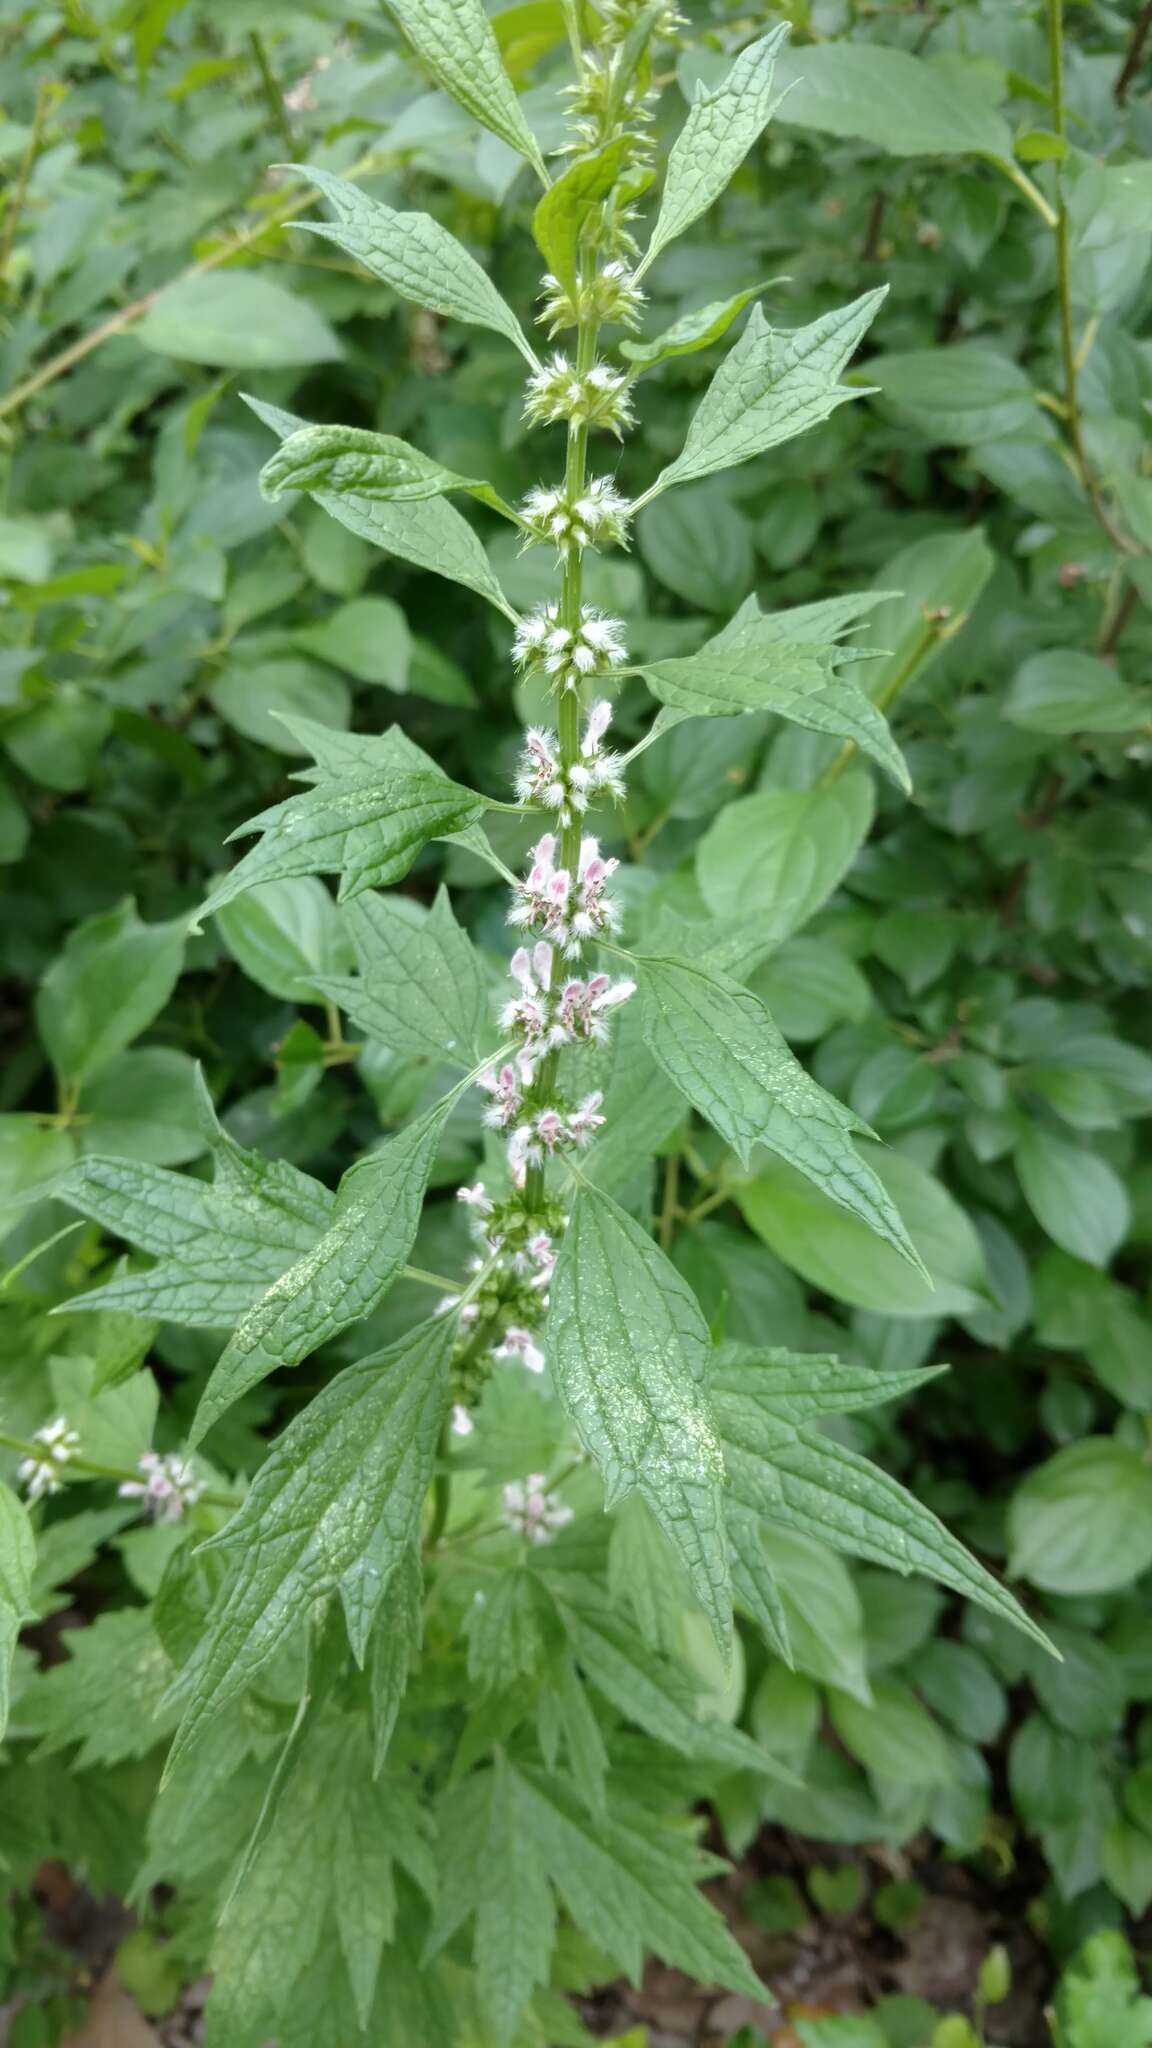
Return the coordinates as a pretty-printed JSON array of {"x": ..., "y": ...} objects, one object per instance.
[
  {"x": 1134, "y": 57},
  {"x": 273, "y": 96}
]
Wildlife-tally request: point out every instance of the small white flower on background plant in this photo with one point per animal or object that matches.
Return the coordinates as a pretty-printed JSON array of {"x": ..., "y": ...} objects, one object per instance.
[
  {"x": 518, "y": 1343},
  {"x": 168, "y": 1486},
  {"x": 41, "y": 1472},
  {"x": 532, "y": 1511}
]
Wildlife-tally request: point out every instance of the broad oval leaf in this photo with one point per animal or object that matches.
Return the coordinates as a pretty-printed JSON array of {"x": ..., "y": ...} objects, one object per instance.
[
  {"x": 834, "y": 1251},
  {"x": 901, "y": 104}
]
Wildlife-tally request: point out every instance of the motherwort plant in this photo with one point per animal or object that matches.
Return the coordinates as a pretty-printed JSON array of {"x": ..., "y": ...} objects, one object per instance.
[{"x": 395, "y": 1793}]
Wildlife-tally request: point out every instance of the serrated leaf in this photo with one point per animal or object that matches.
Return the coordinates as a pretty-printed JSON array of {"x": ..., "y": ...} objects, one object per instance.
[
  {"x": 650, "y": 1690},
  {"x": 365, "y": 818},
  {"x": 630, "y": 1883},
  {"x": 629, "y": 1350},
  {"x": 421, "y": 986},
  {"x": 17, "y": 1564},
  {"x": 396, "y": 1635},
  {"x": 353, "y": 1468},
  {"x": 505, "y": 1628},
  {"x": 413, "y": 254},
  {"x": 455, "y": 39},
  {"x": 693, "y": 331},
  {"x": 343, "y": 1276},
  {"x": 718, "y": 133},
  {"x": 515, "y": 1915},
  {"x": 428, "y": 531},
  {"x": 791, "y": 1474},
  {"x": 576, "y": 198},
  {"x": 375, "y": 466},
  {"x": 717, "y": 1042},
  {"x": 772, "y": 386},
  {"x": 108, "y": 1694},
  {"x": 754, "y": 1583},
  {"x": 219, "y": 1245},
  {"x": 798, "y": 683},
  {"x": 326, "y": 1864}
]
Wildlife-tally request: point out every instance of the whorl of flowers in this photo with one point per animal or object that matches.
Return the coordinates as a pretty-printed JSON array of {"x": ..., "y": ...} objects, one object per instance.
[
  {"x": 597, "y": 397},
  {"x": 567, "y": 654},
  {"x": 597, "y": 518},
  {"x": 167, "y": 1486}
]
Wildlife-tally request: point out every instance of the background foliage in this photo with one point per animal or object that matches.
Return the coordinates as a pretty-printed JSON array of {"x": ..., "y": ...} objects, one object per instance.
[{"x": 972, "y": 978}]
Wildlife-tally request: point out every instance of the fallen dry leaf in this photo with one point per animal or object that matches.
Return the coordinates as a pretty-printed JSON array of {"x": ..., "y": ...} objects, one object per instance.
[{"x": 113, "y": 2021}]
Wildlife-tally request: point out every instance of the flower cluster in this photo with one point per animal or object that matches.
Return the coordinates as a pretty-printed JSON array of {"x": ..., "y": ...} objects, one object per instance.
[
  {"x": 610, "y": 297},
  {"x": 596, "y": 518},
  {"x": 41, "y": 1472},
  {"x": 567, "y": 910},
  {"x": 169, "y": 1485},
  {"x": 543, "y": 778},
  {"x": 569, "y": 654},
  {"x": 597, "y": 397},
  {"x": 531, "y": 1511}
]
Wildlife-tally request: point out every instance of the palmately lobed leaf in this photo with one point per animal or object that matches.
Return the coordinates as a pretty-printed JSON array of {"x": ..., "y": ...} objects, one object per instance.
[
  {"x": 218, "y": 1245},
  {"x": 798, "y": 683},
  {"x": 629, "y": 1349},
  {"x": 342, "y": 1277},
  {"x": 368, "y": 830},
  {"x": 350, "y": 1472},
  {"x": 782, "y": 1470},
  {"x": 718, "y": 1043},
  {"x": 421, "y": 986}
]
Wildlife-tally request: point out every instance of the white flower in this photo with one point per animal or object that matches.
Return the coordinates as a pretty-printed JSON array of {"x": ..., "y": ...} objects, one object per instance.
[
  {"x": 567, "y": 911},
  {"x": 57, "y": 1444},
  {"x": 168, "y": 1487},
  {"x": 518, "y": 1343},
  {"x": 569, "y": 655},
  {"x": 475, "y": 1198},
  {"x": 599, "y": 516},
  {"x": 532, "y": 1511},
  {"x": 597, "y": 397},
  {"x": 462, "y": 1423}
]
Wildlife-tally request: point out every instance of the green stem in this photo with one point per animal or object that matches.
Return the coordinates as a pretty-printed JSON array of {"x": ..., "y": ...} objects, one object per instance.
[
  {"x": 20, "y": 190},
  {"x": 886, "y": 697},
  {"x": 1061, "y": 228},
  {"x": 441, "y": 1488},
  {"x": 37, "y": 1252},
  {"x": 273, "y": 96}
]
